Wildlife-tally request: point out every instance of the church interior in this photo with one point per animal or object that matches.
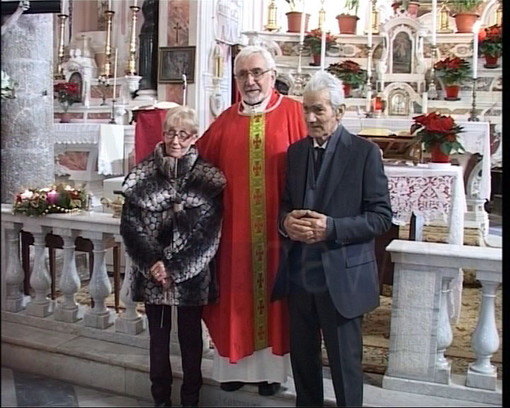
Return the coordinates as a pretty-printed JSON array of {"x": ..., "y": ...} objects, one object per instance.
[{"x": 85, "y": 88}]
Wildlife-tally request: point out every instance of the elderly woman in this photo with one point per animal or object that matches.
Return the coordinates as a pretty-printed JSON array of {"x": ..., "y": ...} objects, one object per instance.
[{"x": 170, "y": 225}]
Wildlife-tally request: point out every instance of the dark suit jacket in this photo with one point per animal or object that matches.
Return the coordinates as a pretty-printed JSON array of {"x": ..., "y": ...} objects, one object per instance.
[{"x": 353, "y": 190}]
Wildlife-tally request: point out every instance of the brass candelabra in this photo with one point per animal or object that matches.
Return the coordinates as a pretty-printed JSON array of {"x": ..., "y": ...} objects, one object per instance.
[
  {"x": 59, "y": 74},
  {"x": 107, "y": 68},
  {"x": 131, "y": 66},
  {"x": 271, "y": 17}
]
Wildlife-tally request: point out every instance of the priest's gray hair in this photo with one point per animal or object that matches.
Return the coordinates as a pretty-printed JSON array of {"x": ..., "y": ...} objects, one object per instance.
[
  {"x": 256, "y": 49},
  {"x": 324, "y": 80}
]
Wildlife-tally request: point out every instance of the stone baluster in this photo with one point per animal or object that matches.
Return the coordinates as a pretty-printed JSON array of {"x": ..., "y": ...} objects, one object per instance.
[
  {"x": 485, "y": 341},
  {"x": 100, "y": 287},
  {"x": 444, "y": 334},
  {"x": 40, "y": 279},
  {"x": 14, "y": 274},
  {"x": 130, "y": 321},
  {"x": 68, "y": 310}
]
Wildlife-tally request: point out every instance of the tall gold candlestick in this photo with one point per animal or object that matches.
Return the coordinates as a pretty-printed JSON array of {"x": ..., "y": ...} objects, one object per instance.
[
  {"x": 59, "y": 74},
  {"x": 131, "y": 66},
  {"x": 107, "y": 69},
  {"x": 271, "y": 17}
]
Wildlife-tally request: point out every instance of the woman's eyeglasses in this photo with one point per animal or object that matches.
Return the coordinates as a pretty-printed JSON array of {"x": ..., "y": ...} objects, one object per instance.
[{"x": 182, "y": 135}]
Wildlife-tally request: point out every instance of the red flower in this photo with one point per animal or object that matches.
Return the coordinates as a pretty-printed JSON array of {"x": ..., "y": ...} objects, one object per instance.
[
  {"x": 453, "y": 70},
  {"x": 437, "y": 129},
  {"x": 490, "y": 40}
]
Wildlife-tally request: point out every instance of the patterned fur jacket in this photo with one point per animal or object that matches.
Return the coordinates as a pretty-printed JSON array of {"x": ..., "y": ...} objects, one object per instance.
[{"x": 175, "y": 218}]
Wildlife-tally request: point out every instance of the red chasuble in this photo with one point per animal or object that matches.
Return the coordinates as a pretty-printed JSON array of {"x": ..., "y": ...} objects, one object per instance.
[{"x": 251, "y": 152}]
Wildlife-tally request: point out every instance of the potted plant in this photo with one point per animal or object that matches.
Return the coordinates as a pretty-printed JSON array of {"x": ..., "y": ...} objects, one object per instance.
[
  {"x": 66, "y": 93},
  {"x": 465, "y": 13},
  {"x": 347, "y": 22},
  {"x": 490, "y": 44},
  {"x": 452, "y": 72},
  {"x": 439, "y": 135},
  {"x": 313, "y": 40},
  {"x": 351, "y": 74},
  {"x": 294, "y": 16}
]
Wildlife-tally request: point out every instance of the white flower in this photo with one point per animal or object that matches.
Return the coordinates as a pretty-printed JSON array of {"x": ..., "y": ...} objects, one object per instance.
[{"x": 8, "y": 86}]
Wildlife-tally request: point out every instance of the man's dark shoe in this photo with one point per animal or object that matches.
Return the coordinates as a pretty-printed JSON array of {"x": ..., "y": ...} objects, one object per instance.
[
  {"x": 268, "y": 389},
  {"x": 231, "y": 385}
]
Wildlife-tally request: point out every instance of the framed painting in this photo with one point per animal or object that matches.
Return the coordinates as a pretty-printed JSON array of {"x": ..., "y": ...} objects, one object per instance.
[{"x": 174, "y": 62}]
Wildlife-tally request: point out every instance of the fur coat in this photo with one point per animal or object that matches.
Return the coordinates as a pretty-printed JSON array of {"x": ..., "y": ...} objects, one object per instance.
[{"x": 173, "y": 215}]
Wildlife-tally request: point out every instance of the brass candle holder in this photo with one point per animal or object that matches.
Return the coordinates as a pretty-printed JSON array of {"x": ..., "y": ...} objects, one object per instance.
[
  {"x": 444, "y": 24},
  {"x": 322, "y": 16},
  {"x": 271, "y": 17},
  {"x": 131, "y": 66},
  {"x": 374, "y": 18},
  {"x": 107, "y": 68},
  {"x": 59, "y": 74}
]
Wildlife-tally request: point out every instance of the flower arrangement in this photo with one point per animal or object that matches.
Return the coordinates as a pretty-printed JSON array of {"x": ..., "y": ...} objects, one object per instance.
[
  {"x": 313, "y": 40},
  {"x": 57, "y": 199},
  {"x": 490, "y": 41},
  {"x": 349, "y": 72},
  {"x": 66, "y": 93},
  {"x": 435, "y": 129},
  {"x": 453, "y": 70}
]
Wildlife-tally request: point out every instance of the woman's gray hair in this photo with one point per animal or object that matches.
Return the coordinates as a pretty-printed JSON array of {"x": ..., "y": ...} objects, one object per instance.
[
  {"x": 324, "y": 80},
  {"x": 256, "y": 49},
  {"x": 181, "y": 116}
]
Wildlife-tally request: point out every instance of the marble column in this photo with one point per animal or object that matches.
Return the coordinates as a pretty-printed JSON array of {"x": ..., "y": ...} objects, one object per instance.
[
  {"x": 27, "y": 120},
  {"x": 148, "y": 57}
]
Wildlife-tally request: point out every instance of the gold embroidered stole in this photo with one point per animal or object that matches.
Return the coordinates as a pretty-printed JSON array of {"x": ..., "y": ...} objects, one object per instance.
[{"x": 258, "y": 228}]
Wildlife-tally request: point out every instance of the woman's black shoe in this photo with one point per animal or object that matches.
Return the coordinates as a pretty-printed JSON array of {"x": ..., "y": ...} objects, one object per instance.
[
  {"x": 268, "y": 389},
  {"x": 231, "y": 385}
]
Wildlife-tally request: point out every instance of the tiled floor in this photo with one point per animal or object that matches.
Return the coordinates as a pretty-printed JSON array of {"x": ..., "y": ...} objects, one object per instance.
[{"x": 28, "y": 390}]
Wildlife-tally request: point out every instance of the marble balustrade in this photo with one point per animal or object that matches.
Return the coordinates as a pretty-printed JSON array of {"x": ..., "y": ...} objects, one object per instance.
[{"x": 423, "y": 272}]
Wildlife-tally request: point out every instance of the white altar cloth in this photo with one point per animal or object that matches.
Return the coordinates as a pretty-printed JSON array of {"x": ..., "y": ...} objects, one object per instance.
[
  {"x": 475, "y": 138},
  {"x": 109, "y": 139}
]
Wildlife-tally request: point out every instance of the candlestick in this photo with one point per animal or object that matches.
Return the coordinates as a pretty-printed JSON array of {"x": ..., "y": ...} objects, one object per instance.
[
  {"x": 323, "y": 49},
  {"x": 107, "y": 72},
  {"x": 302, "y": 27},
  {"x": 369, "y": 40},
  {"x": 114, "y": 74},
  {"x": 59, "y": 74},
  {"x": 434, "y": 21},
  {"x": 131, "y": 67}
]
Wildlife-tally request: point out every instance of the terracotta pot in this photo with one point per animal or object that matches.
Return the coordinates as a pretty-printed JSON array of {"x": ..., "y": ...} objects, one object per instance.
[
  {"x": 294, "y": 21},
  {"x": 465, "y": 21},
  {"x": 316, "y": 58},
  {"x": 347, "y": 90},
  {"x": 491, "y": 61},
  {"x": 65, "y": 117},
  {"x": 347, "y": 23},
  {"x": 437, "y": 156},
  {"x": 452, "y": 92}
]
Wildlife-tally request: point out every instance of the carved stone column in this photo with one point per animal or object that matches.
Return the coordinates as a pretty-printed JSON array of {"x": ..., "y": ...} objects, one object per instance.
[
  {"x": 148, "y": 57},
  {"x": 27, "y": 120}
]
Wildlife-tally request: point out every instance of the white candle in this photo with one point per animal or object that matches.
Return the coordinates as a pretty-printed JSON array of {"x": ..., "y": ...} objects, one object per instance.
[
  {"x": 369, "y": 42},
  {"x": 424, "y": 102},
  {"x": 434, "y": 21},
  {"x": 323, "y": 49},
  {"x": 302, "y": 28},
  {"x": 115, "y": 74},
  {"x": 63, "y": 7},
  {"x": 109, "y": 4},
  {"x": 475, "y": 49},
  {"x": 135, "y": 3}
]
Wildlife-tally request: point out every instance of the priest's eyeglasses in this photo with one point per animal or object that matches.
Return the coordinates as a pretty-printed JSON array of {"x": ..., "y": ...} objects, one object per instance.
[
  {"x": 182, "y": 135},
  {"x": 256, "y": 73}
]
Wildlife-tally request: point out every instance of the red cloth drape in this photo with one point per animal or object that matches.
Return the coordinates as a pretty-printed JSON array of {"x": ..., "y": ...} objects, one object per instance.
[{"x": 148, "y": 131}]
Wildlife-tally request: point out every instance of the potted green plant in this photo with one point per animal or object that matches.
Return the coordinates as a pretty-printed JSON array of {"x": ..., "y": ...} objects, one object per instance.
[
  {"x": 465, "y": 12},
  {"x": 347, "y": 22},
  {"x": 313, "y": 41},
  {"x": 490, "y": 44},
  {"x": 439, "y": 135},
  {"x": 452, "y": 72},
  {"x": 351, "y": 74}
]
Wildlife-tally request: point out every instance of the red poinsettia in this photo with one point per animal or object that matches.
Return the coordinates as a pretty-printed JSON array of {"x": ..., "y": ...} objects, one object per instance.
[
  {"x": 490, "y": 40},
  {"x": 350, "y": 72},
  {"x": 453, "y": 70},
  {"x": 436, "y": 129},
  {"x": 313, "y": 40},
  {"x": 66, "y": 93}
]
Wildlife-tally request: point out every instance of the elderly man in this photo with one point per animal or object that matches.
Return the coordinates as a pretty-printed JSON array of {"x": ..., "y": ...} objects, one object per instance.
[
  {"x": 335, "y": 202},
  {"x": 248, "y": 143}
]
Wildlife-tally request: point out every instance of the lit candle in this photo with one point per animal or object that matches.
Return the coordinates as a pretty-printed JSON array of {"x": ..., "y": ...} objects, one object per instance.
[
  {"x": 323, "y": 49},
  {"x": 434, "y": 21},
  {"x": 302, "y": 29},
  {"x": 115, "y": 74},
  {"x": 475, "y": 49}
]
